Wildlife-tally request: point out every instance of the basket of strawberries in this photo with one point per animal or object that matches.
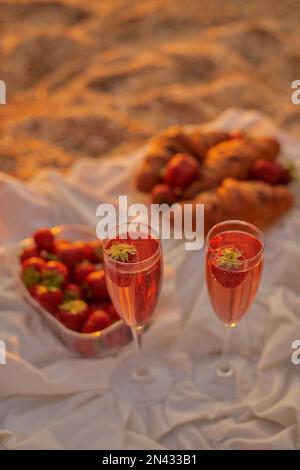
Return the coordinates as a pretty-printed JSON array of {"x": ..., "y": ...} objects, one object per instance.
[{"x": 60, "y": 273}]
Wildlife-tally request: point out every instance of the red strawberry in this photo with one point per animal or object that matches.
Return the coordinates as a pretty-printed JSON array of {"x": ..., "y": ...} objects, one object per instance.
[
  {"x": 29, "y": 252},
  {"x": 97, "y": 251},
  {"x": 55, "y": 274},
  {"x": 44, "y": 239},
  {"x": 97, "y": 321},
  {"x": 92, "y": 251},
  {"x": 113, "y": 312},
  {"x": 60, "y": 246},
  {"x": 32, "y": 271},
  {"x": 82, "y": 271},
  {"x": 73, "y": 314},
  {"x": 72, "y": 292},
  {"x": 49, "y": 297},
  {"x": 99, "y": 305},
  {"x": 95, "y": 285},
  {"x": 286, "y": 176},
  {"x": 85, "y": 249},
  {"x": 122, "y": 253},
  {"x": 228, "y": 279},
  {"x": 266, "y": 171},
  {"x": 33, "y": 289},
  {"x": 37, "y": 263},
  {"x": 225, "y": 270},
  {"x": 181, "y": 170},
  {"x": 69, "y": 253},
  {"x": 162, "y": 193}
]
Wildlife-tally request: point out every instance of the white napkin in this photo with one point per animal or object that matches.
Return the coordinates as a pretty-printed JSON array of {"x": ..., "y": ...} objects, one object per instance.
[{"x": 51, "y": 399}]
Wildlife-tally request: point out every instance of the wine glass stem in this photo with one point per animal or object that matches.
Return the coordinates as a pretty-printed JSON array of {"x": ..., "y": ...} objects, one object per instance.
[
  {"x": 225, "y": 369},
  {"x": 141, "y": 373},
  {"x": 137, "y": 332}
]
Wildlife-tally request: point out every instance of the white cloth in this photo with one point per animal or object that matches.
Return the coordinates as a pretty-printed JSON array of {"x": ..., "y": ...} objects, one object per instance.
[{"x": 50, "y": 399}]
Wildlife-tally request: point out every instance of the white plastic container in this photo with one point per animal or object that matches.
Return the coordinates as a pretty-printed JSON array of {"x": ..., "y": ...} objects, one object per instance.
[{"x": 99, "y": 344}]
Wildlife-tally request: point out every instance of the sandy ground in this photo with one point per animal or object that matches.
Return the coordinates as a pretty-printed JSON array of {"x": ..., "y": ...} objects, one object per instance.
[{"x": 95, "y": 78}]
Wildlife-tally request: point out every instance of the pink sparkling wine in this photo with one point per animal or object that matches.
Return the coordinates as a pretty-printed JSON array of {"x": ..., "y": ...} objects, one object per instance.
[
  {"x": 232, "y": 286},
  {"x": 134, "y": 286}
]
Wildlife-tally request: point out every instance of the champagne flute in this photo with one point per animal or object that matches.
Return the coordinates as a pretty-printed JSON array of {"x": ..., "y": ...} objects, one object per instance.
[
  {"x": 234, "y": 263},
  {"x": 133, "y": 262}
]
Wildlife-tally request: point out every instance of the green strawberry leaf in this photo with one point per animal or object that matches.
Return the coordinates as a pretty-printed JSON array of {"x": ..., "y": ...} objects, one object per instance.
[
  {"x": 49, "y": 256},
  {"x": 121, "y": 251},
  {"x": 31, "y": 276},
  {"x": 229, "y": 258},
  {"x": 52, "y": 279},
  {"x": 74, "y": 306}
]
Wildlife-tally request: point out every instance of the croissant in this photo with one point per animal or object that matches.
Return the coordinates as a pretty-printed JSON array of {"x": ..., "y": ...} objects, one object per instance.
[
  {"x": 207, "y": 179},
  {"x": 222, "y": 185},
  {"x": 234, "y": 158},
  {"x": 253, "y": 201},
  {"x": 220, "y": 155},
  {"x": 201, "y": 141},
  {"x": 266, "y": 147},
  {"x": 170, "y": 142},
  {"x": 194, "y": 141}
]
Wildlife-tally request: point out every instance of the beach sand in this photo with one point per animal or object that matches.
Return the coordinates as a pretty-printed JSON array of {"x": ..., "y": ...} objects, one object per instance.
[{"x": 96, "y": 78}]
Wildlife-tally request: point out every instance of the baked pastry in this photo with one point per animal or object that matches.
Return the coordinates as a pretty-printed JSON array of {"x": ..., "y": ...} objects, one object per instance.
[
  {"x": 169, "y": 143},
  {"x": 234, "y": 175},
  {"x": 253, "y": 201},
  {"x": 235, "y": 157},
  {"x": 220, "y": 154}
]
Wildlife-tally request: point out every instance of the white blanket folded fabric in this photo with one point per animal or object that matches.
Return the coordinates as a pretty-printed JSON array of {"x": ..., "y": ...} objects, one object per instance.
[{"x": 52, "y": 399}]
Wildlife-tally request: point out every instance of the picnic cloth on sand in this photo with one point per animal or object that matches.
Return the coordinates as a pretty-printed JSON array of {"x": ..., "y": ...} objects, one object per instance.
[{"x": 52, "y": 399}]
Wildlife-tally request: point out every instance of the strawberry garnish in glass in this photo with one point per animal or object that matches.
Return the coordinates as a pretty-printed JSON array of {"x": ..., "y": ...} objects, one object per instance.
[
  {"x": 133, "y": 263},
  {"x": 234, "y": 263}
]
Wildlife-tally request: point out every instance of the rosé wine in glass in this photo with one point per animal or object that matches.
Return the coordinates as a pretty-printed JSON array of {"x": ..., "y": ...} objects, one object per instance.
[
  {"x": 232, "y": 285},
  {"x": 134, "y": 288},
  {"x": 133, "y": 263},
  {"x": 234, "y": 263}
]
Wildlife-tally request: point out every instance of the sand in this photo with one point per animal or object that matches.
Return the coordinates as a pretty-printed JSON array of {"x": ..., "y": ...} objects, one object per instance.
[{"x": 95, "y": 78}]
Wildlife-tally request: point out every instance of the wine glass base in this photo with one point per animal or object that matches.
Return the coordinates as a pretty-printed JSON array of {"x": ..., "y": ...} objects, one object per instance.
[
  {"x": 141, "y": 380},
  {"x": 219, "y": 383}
]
